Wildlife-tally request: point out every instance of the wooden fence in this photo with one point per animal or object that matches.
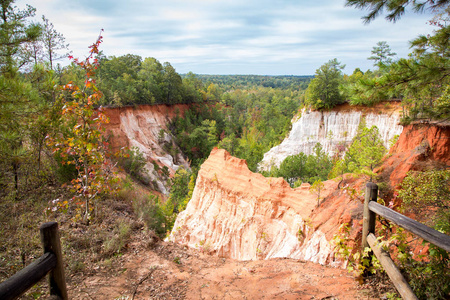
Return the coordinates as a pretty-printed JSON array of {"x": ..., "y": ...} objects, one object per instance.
[
  {"x": 371, "y": 209},
  {"x": 51, "y": 261}
]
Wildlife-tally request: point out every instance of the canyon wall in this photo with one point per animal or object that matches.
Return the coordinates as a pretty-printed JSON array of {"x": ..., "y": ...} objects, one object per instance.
[
  {"x": 332, "y": 128},
  {"x": 145, "y": 127},
  {"x": 242, "y": 215},
  {"x": 421, "y": 146}
]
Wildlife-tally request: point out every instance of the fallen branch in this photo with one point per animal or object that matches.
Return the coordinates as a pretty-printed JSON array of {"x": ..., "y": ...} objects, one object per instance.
[{"x": 152, "y": 269}]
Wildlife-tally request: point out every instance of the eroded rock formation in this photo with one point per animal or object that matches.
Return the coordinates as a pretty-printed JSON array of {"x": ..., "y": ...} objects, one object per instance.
[
  {"x": 333, "y": 128},
  {"x": 421, "y": 146},
  {"x": 239, "y": 214},
  {"x": 145, "y": 127}
]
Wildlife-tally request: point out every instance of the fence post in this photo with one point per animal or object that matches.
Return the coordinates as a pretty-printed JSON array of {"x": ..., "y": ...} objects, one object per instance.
[
  {"x": 369, "y": 216},
  {"x": 50, "y": 243}
]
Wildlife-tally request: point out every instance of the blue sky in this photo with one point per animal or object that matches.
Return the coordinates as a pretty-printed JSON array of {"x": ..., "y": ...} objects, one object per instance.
[{"x": 264, "y": 37}]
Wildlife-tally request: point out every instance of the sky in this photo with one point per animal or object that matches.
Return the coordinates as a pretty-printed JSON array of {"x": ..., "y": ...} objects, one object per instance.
[{"x": 260, "y": 37}]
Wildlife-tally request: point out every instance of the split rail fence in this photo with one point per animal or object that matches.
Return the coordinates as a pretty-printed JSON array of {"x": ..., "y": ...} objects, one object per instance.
[
  {"x": 51, "y": 261},
  {"x": 371, "y": 210}
]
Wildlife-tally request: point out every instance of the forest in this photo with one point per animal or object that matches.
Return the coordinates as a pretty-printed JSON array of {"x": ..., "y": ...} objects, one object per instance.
[{"x": 52, "y": 145}]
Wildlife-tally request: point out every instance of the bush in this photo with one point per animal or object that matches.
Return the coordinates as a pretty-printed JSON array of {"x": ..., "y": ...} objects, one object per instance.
[
  {"x": 179, "y": 191},
  {"x": 64, "y": 172},
  {"x": 134, "y": 163},
  {"x": 427, "y": 194},
  {"x": 157, "y": 216},
  {"x": 301, "y": 167}
]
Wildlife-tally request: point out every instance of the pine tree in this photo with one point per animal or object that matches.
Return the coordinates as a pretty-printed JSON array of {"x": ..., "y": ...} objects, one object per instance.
[
  {"x": 382, "y": 55},
  {"x": 395, "y": 8},
  {"x": 323, "y": 91},
  {"x": 14, "y": 33},
  {"x": 365, "y": 152},
  {"x": 16, "y": 97},
  {"x": 423, "y": 77}
]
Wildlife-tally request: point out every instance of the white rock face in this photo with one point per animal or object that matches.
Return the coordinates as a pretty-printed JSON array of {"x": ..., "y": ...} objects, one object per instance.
[{"x": 330, "y": 129}]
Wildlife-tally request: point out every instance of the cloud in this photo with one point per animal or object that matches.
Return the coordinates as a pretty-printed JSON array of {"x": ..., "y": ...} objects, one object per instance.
[{"x": 230, "y": 36}]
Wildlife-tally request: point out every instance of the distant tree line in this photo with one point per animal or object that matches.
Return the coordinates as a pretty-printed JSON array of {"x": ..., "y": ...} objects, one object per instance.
[{"x": 247, "y": 81}]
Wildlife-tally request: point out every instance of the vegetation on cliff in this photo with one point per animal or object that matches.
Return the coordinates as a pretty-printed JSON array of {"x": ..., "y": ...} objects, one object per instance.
[{"x": 419, "y": 81}]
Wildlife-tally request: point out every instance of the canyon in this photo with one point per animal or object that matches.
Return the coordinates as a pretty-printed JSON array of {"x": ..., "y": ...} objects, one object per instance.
[
  {"x": 244, "y": 236},
  {"x": 235, "y": 213},
  {"x": 238, "y": 214}
]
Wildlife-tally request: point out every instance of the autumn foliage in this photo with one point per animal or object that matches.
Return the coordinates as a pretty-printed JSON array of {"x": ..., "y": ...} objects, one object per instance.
[{"x": 81, "y": 141}]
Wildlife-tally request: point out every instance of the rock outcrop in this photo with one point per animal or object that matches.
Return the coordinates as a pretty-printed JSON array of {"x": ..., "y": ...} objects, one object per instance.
[
  {"x": 421, "y": 146},
  {"x": 239, "y": 214},
  {"x": 145, "y": 127},
  {"x": 333, "y": 128}
]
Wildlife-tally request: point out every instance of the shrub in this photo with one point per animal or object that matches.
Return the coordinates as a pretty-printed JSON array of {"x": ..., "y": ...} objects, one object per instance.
[
  {"x": 157, "y": 216},
  {"x": 133, "y": 163}
]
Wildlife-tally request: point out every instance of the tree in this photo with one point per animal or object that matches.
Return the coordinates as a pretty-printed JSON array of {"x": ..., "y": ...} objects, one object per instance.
[
  {"x": 203, "y": 138},
  {"x": 427, "y": 195},
  {"x": 395, "y": 8},
  {"x": 35, "y": 51},
  {"x": 303, "y": 168},
  {"x": 152, "y": 78},
  {"x": 366, "y": 151},
  {"x": 133, "y": 162},
  {"x": 293, "y": 168},
  {"x": 423, "y": 77},
  {"x": 318, "y": 164},
  {"x": 193, "y": 87},
  {"x": 118, "y": 78},
  {"x": 229, "y": 143},
  {"x": 80, "y": 140},
  {"x": 172, "y": 84},
  {"x": 323, "y": 91},
  {"x": 338, "y": 171},
  {"x": 442, "y": 105},
  {"x": 382, "y": 55},
  {"x": 53, "y": 42},
  {"x": 179, "y": 190},
  {"x": 14, "y": 33},
  {"x": 17, "y": 99},
  {"x": 316, "y": 188}
]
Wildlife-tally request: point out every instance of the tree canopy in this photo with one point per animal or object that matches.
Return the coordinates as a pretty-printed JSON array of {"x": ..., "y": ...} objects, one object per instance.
[
  {"x": 15, "y": 31},
  {"x": 420, "y": 80},
  {"x": 323, "y": 91},
  {"x": 395, "y": 9}
]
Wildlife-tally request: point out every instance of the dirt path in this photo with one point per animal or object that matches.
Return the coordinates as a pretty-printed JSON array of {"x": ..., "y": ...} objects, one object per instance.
[{"x": 168, "y": 271}]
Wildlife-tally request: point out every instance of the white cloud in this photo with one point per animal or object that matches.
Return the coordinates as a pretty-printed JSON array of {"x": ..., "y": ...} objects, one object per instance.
[{"x": 229, "y": 36}]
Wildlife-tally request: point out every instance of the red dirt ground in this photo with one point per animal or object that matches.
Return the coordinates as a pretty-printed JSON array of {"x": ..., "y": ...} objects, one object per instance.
[{"x": 169, "y": 271}]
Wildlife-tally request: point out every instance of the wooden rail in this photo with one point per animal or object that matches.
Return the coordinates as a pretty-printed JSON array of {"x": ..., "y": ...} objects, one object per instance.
[
  {"x": 51, "y": 261},
  {"x": 371, "y": 209}
]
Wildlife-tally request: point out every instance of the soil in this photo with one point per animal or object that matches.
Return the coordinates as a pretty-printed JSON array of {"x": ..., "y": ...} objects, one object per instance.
[{"x": 164, "y": 270}]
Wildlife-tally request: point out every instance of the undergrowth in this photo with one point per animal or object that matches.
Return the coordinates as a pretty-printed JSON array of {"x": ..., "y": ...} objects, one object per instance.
[
  {"x": 425, "y": 266},
  {"x": 85, "y": 247}
]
